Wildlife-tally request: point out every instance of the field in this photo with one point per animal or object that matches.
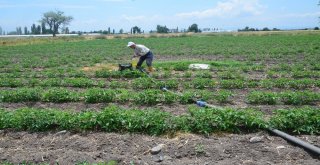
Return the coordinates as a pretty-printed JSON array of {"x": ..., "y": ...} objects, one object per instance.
[{"x": 62, "y": 101}]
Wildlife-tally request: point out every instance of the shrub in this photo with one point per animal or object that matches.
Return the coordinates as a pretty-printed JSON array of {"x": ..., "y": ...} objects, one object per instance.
[
  {"x": 97, "y": 95},
  {"x": 59, "y": 95},
  {"x": 20, "y": 95},
  {"x": 258, "y": 97},
  {"x": 299, "y": 121}
]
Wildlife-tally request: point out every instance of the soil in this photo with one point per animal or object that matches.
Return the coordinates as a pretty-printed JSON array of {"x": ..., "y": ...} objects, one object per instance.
[{"x": 219, "y": 149}]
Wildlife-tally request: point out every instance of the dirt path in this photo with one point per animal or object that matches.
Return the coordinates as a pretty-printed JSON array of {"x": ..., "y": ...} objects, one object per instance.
[{"x": 69, "y": 148}]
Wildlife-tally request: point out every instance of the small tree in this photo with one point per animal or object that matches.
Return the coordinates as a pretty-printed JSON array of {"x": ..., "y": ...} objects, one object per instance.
[
  {"x": 26, "y": 31},
  {"x": 33, "y": 29},
  {"x": 194, "y": 28},
  {"x": 54, "y": 20},
  {"x": 162, "y": 29},
  {"x": 121, "y": 31},
  {"x": 38, "y": 30},
  {"x": 265, "y": 29},
  {"x": 136, "y": 29},
  {"x": 43, "y": 28},
  {"x": 0, "y": 30}
]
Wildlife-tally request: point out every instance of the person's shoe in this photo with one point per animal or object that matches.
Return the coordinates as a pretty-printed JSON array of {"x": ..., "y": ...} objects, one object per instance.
[{"x": 150, "y": 69}]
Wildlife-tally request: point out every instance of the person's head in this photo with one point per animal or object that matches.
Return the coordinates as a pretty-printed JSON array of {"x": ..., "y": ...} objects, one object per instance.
[{"x": 131, "y": 45}]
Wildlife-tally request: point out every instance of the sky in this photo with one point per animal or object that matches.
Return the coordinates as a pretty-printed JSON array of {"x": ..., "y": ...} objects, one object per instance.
[{"x": 147, "y": 14}]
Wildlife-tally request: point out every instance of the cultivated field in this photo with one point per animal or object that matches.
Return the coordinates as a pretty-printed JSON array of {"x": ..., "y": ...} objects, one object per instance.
[{"x": 62, "y": 101}]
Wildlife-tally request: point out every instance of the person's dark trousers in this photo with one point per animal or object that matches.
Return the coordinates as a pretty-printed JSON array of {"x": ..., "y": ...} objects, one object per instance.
[{"x": 148, "y": 57}]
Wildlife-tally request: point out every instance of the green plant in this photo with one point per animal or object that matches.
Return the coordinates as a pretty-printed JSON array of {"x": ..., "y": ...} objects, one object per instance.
[
  {"x": 143, "y": 83},
  {"x": 59, "y": 95},
  {"x": 97, "y": 95},
  {"x": 258, "y": 97},
  {"x": 300, "y": 121},
  {"x": 199, "y": 149},
  {"x": 223, "y": 96},
  {"x": 20, "y": 95}
]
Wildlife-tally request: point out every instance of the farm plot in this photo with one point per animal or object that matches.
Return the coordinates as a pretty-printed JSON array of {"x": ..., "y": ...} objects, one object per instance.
[{"x": 99, "y": 115}]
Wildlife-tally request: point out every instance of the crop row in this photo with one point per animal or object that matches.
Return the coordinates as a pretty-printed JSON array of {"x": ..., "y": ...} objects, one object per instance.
[
  {"x": 147, "y": 83},
  {"x": 288, "y": 97},
  {"x": 155, "y": 122},
  {"x": 98, "y": 95}
]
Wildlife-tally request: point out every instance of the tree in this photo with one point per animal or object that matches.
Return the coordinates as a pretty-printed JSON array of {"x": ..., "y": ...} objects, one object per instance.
[
  {"x": 162, "y": 29},
  {"x": 43, "y": 28},
  {"x": 121, "y": 31},
  {"x": 19, "y": 31},
  {"x": 136, "y": 29},
  {"x": 194, "y": 28},
  {"x": 54, "y": 20},
  {"x": 67, "y": 30},
  {"x": 265, "y": 29},
  {"x": 38, "y": 30},
  {"x": 26, "y": 31},
  {"x": 33, "y": 29},
  {"x": 0, "y": 31},
  {"x": 316, "y": 28}
]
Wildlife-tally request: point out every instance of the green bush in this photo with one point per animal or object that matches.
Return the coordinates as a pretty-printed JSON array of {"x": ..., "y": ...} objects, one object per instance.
[
  {"x": 97, "y": 95},
  {"x": 223, "y": 96},
  {"x": 257, "y": 97},
  {"x": 143, "y": 83},
  {"x": 299, "y": 121},
  {"x": 59, "y": 95},
  {"x": 20, "y": 95},
  {"x": 299, "y": 97},
  {"x": 153, "y": 97}
]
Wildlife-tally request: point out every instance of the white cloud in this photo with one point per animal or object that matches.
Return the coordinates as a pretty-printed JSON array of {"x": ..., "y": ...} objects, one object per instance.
[
  {"x": 63, "y": 6},
  {"x": 141, "y": 18},
  {"x": 229, "y": 8},
  {"x": 302, "y": 15}
]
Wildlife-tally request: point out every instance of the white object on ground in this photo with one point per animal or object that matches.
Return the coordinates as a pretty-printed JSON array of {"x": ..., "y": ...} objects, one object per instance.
[{"x": 199, "y": 66}]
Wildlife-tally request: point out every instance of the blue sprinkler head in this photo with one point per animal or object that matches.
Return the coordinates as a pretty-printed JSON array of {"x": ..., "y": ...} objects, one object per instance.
[{"x": 201, "y": 103}]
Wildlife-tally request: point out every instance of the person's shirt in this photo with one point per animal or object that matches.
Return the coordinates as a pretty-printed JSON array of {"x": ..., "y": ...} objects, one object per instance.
[{"x": 141, "y": 50}]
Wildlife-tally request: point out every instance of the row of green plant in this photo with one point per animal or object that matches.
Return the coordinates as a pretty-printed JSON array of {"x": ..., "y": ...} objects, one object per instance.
[
  {"x": 114, "y": 119},
  {"x": 156, "y": 122},
  {"x": 287, "y": 97},
  {"x": 148, "y": 83},
  {"x": 294, "y": 74},
  {"x": 98, "y": 95}
]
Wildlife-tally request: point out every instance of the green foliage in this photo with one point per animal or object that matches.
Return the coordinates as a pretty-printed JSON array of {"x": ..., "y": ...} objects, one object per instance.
[
  {"x": 299, "y": 98},
  {"x": 201, "y": 83},
  {"x": 114, "y": 119},
  {"x": 143, "y": 83},
  {"x": 20, "y": 95},
  {"x": 152, "y": 122},
  {"x": 300, "y": 121},
  {"x": 288, "y": 98},
  {"x": 207, "y": 120},
  {"x": 223, "y": 96},
  {"x": 97, "y": 95},
  {"x": 257, "y": 97},
  {"x": 10, "y": 82},
  {"x": 233, "y": 84},
  {"x": 204, "y": 74},
  {"x": 59, "y": 95},
  {"x": 153, "y": 97}
]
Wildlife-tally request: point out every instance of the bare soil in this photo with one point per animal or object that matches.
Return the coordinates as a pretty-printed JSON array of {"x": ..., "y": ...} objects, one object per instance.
[{"x": 220, "y": 149}]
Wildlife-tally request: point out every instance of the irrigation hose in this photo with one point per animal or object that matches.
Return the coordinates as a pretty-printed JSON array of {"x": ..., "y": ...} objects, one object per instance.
[
  {"x": 297, "y": 141},
  {"x": 310, "y": 147}
]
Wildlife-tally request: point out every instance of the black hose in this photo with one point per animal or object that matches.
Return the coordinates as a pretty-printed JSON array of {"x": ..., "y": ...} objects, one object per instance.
[
  {"x": 295, "y": 140},
  {"x": 310, "y": 147}
]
